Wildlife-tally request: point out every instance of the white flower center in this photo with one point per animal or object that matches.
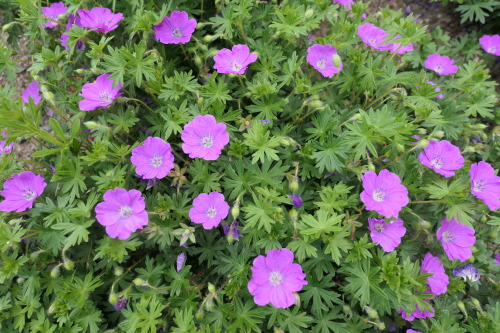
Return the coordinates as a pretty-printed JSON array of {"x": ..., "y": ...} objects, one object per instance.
[
  {"x": 29, "y": 194},
  {"x": 448, "y": 236},
  {"x": 177, "y": 32},
  {"x": 211, "y": 212},
  {"x": 479, "y": 185},
  {"x": 207, "y": 141},
  {"x": 125, "y": 212},
  {"x": 235, "y": 66},
  {"x": 491, "y": 49},
  {"x": 105, "y": 97},
  {"x": 156, "y": 161},
  {"x": 379, "y": 195},
  {"x": 438, "y": 68},
  {"x": 437, "y": 162},
  {"x": 276, "y": 278},
  {"x": 379, "y": 227},
  {"x": 372, "y": 41},
  {"x": 321, "y": 63}
]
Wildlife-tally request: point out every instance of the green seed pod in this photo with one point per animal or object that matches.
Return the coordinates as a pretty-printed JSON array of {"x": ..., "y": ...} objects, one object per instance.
[
  {"x": 209, "y": 38},
  {"x": 197, "y": 61}
]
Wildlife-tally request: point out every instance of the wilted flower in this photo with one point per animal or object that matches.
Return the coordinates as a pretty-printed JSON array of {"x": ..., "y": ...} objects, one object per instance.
[
  {"x": 490, "y": 44},
  {"x": 153, "y": 159},
  {"x": 384, "y": 193},
  {"x": 417, "y": 314},
  {"x": 53, "y": 12},
  {"x": 99, "y": 93},
  {"x": 442, "y": 65},
  {"x": 181, "y": 259},
  {"x": 101, "y": 19},
  {"x": 122, "y": 212},
  {"x": 121, "y": 304},
  {"x": 32, "y": 91},
  {"x": 235, "y": 60},
  {"x": 176, "y": 29},
  {"x": 231, "y": 230},
  {"x": 387, "y": 235},
  {"x": 209, "y": 209},
  {"x": 456, "y": 239},
  {"x": 275, "y": 279},
  {"x": 4, "y": 147},
  {"x": 321, "y": 58},
  {"x": 204, "y": 137},
  {"x": 438, "y": 282},
  {"x": 73, "y": 20},
  {"x": 485, "y": 185},
  {"x": 345, "y": 3},
  {"x": 373, "y": 36},
  {"x": 296, "y": 200},
  {"x": 468, "y": 272},
  {"x": 442, "y": 157},
  {"x": 20, "y": 191}
]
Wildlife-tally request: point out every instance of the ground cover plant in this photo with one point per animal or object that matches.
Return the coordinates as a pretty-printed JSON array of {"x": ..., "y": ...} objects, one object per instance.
[{"x": 246, "y": 166}]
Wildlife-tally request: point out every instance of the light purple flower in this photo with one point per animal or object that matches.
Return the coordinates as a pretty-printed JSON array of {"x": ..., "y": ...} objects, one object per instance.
[
  {"x": 53, "y": 12},
  {"x": 235, "y": 60},
  {"x": 73, "y": 20},
  {"x": 20, "y": 191},
  {"x": 387, "y": 235},
  {"x": 321, "y": 58},
  {"x": 485, "y": 185},
  {"x": 275, "y": 279},
  {"x": 296, "y": 200},
  {"x": 32, "y": 91},
  {"x": 176, "y": 29},
  {"x": 490, "y": 44},
  {"x": 468, "y": 272},
  {"x": 438, "y": 282},
  {"x": 437, "y": 89},
  {"x": 373, "y": 36},
  {"x": 231, "y": 230},
  {"x": 442, "y": 157},
  {"x": 101, "y": 19},
  {"x": 384, "y": 193},
  {"x": 412, "y": 331},
  {"x": 442, "y": 65},
  {"x": 209, "y": 209},
  {"x": 204, "y": 137},
  {"x": 179, "y": 262},
  {"x": 121, "y": 304},
  {"x": 4, "y": 147},
  {"x": 456, "y": 239},
  {"x": 153, "y": 159},
  {"x": 99, "y": 93},
  {"x": 122, "y": 212},
  {"x": 345, "y": 3},
  {"x": 497, "y": 258},
  {"x": 417, "y": 314}
]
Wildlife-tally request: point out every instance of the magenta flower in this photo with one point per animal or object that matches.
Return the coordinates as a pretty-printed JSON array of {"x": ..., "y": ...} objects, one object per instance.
[
  {"x": 456, "y": 239},
  {"x": 20, "y": 191},
  {"x": 417, "y": 314},
  {"x": 235, "y": 60},
  {"x": 412, "y": 331},
  {"x": 384, "y": 193},
  {"x": 153, "y": 159},
  {"x": 275, "y": 279},
  {"x": 438, "y": 282},
  {"x": 176, "y": 29},
  {"x": 345, "y": 3},
  {"x": 373, "y": 37},
  {"x": 32, "y": 91},
  {"x": 209, "y": 209},
  {"x": 122, "y": 212},
  {"x": 99, "y": 94},
  {"x": 101, "y": 19},
  {"x": 497, "y": 258},
  {"x": 53, "y": 12},
  {"x": 387, "y": 235},
  {"x": 321, "y": 58},
  {"x": 4, "y": 147},
  {"x": 485, "y": 185},
  {"x": 73, "y": 20},
  {"x": 490, "y": 44},
  {"x": 437, "y": 89},
  {"x": 398, "y": 48},
  {"x": 442, "y": 157},
  {"x": 205, "y": 138},
  {"x": 468, "y": 272},
  {"x": 442, "y": 65}
]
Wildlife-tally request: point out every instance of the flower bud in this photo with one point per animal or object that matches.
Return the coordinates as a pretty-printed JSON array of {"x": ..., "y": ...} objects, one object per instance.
[
  {"x": 55, "y": 272},
  {"x": 372, "y": 313},
  {"x": 230, "y": 238},
  {"x": 494, "y": 234},
  {"x": 199, "y": 314},
  {"x": 92, "y": 124},
  {"x": 400, "y": 147},
  {"x": 426, "y": 225},
  {"x": 138, "y": 281},
  {"x": 347, "y": 310},
  {"x": 7, "y": 26},
  {"x": 461, "y": 306},
  {"x": 279, "y": 210},
  {"x": 481, "y": 126},
  {"x": 371, "y": 167},
  {"x": 209, "y": 304},
  {"x": 422, "y": 131},
  {"x": 235, "y": 211},
  {"x": 336, "y": 60},
  {"x": 294, "y": 186},
  {"x": 52, "y": 308},
  {"x": 20, "y": 280},
  {"x": 47, "y": 95},
  {"x": 438, "y": 134},
  {"x": 209, "y": 38},
  {"x": 118, "y": 271},
  {"x": 474, "y": 249},
  {"x": 308, "y": 14},
  {"x": 197, "y": 61},
  {"x": 476, "y": 304},
  {"x": 423, "y": 143},
  {"x": 293, "y": 214},
  {"x": 357, "y": 116},
  {"x": 211, "y": 288},
  {"x": 317, "y": 104},
  {"x": 484, "y": 136},
  {"x": 113, "y": 298},
  {"x": 80, "y": 71},
  {"x": 297, "y": 299},
  {"x": 69, "y": 264}
]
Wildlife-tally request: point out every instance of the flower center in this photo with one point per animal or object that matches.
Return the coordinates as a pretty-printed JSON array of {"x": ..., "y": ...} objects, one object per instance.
[
  {"x": 372, "y": 41},
  {"x": 29, "y": 194},
  {"x": 437, "y": 162},
  {"x": 276, "y": 278},
  {"x": 156, "y": 161},
  {"x": 125, "y": 212},
  {"x": 448, "y": 236},
  {"x": 491, "y": 49},
  {"x": 211, "y": 212},
  {"x": 379, "y": 227},
  {"x": 379, "y": 195},
  {"x": 105, "y": 97},
  {"x": 235, "y": 66},
  {"x": 438, "y": 68},
  {"x": 321, "y": 63},
  {"x": 207, "y": 141},
  {"x": 177, "y": 32},
  {"x": 479, "y": 186}
]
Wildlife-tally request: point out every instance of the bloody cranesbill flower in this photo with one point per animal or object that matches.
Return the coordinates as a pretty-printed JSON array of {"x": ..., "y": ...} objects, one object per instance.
[
  {"x": 468, "y": 272},
  {"x": 179, "y": 262},
  {"x": 32, "y": 91},
  {"x": 231, "y": 230},
  {"x": 209, "y": 209},
  {"x": 153, "y": 159},
  {"x": 53, "y": 12},
  {"x": 321, "y": 58},
  {"x": 485, "y": 185},
  {"x": 345, "y": 3},
  {"x": 73, "y": 20},
  {"x": 418, "y": 313},
  {"x": 456, "y": 239},
  {"x": 497, "y": 258},
  {"x": 235, "y": 60},
  {"x": 99, "y": 93},
  {"x": 373, "y": 36},
  {"x": 384, "y": 193},
  {"x": 490, "y": 44},
  {"x": 275, "y": 279},
  {"x": 175, "y": 29},
  {"x": 412, "y": 331},
  {"x": 122, "y": 212},
  {"x": 20, "y": 191},
  {"x": 438, "y": 282},
  {"x": 4, "y": 147},
  {"x": 204, "y": 137},
  {"x": 437, "y": 89},
  {"x": 101, "y": 19},
  {"x": 387, "y": 235},
  {"x": 296, "y": 200},
  {"x": 442, "y": 65},
  {"x": 442, "y": 157}
]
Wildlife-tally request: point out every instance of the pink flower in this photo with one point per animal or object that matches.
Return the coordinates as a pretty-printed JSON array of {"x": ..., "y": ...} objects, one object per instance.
[
  {"x": 4, "y": 147},
  {"x": 438, "y": 282},
  {"x": 176, "y": 29},
  {"x": 345, "y": 3},
  {"x": 442, "y": 65},
  {"x": 122, "y": 212},
  {"x": 73, "y": 20},
  {"x": 373, "y": 36},
  {"x": 32, "y": 91},
  {"x": 398, "y": 48},
  {"x": 53, "y": 12},
  {"x": 485, "y": 185},
  {"x": 384, "y": 193},
  {"x": 437, "y": 89},
  {"x": 412, "y": 331},
  {"x": 153, "y": 159},
  {"x": 497, "y": 259},
  {"x": 235, "y": 60},
  {"x": 442, "y": 157},
  {"x": 490, "y": 44},
  {"x": 456, "y": 239},
  {"x": 275, "y": 279},
  {"x": 209, "y": 209},
  {"x": 99, "y": 94},
  {"x": 205, "y": 138},
  {"x": 321, "y": 58},
  {"x": 101, "y": 19},
  {"x": 417, "y": 314},
  {"x": 387, "y": 235},
  {"x": 20, "y": 191}
]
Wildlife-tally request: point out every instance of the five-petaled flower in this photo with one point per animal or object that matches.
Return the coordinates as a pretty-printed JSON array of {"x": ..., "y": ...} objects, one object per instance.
[
  {"x": 490, "y": 44},
  {"x": 485, "y": 185},
  {"x": 153, "y": 159},
  {"x": 321, "y": 57},
  {"x": 456, "y": 239},
  {"x": 209, "y": 209},
  {"x": 442, "y": 157},
  {"x": 176, "y": 29},
  {"x": 101, "y": 19},
  {"x": 417, "y": 313},
  {"x": 373, "y": 36},
  {"x": 204, "y": 137},
  {"x": 442, "y": 65},
  {"x": 387, "y": 235},
  {"x": 20, "y": 191},
  {"x": 99, "y": 93},
  {"x": 438, "y": 282},
  {"x": 31, "y": 91},
  {"x": 53, "y": 12},
  {"x": 234, "y": 61}
]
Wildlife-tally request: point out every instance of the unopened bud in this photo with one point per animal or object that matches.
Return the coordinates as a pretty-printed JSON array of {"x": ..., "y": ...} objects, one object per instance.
[
  {"x": 80, "y": 71},
  {"x": 47, "y": 95},
  {"x": 278, "y": 330},
  {"x": 20, "y": 280},
  {"x": 113, "y": 298},
  {"x": 199, "y": 314},
  {"x": 55, "y": 272},
  {"x": 336, "y": 60},
  {"x": 371, "y": 167},
  {"x": 52, "y": 308},
  {"x": 211, "y": 288},
  {"x": 461, "y": 306},
  {"x": 69, "y": 264},
  {"x": 484, "y": 136},
  {"x": 474, "y": 249},
  {"x": 297, "y": 299},
  {"x": 426, "y": 225},
  {"x": 371, "y": 312},
  {"x": 209, "y": 304},
  {"x": 235, "y": 211},
  {"x": 230, "y": 238},
  {"x": 7, "y": 26},
  {"x": 381, "y": 325},
  {"x": 438, "y": 134},
  {"x": 118, "y": 271},
  {"x": 294, "y": 186},
  {"x": 423, "y": 143},
  {"x": 317, "y": 104},
  {"x": 138, "y": 281},
  {"x": 209, "y": 38},
  {"x": 293, "y": 214},
  {"x": 494, "y": 234},
  {"x": 308, "y": 14},
  {"x": 481, "y": 126},
  {"x": 422, "y": 131},
  {"x": 284, "y": 142},
  {"x": 347, "y": 310},
  {"x": 476, "y": 304},
  {"x": 400, "y": 147},
  {"x": 279, "y": 210},
  {"x": 197, "y": 61},
  {"x": 92, "y": 124}
]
